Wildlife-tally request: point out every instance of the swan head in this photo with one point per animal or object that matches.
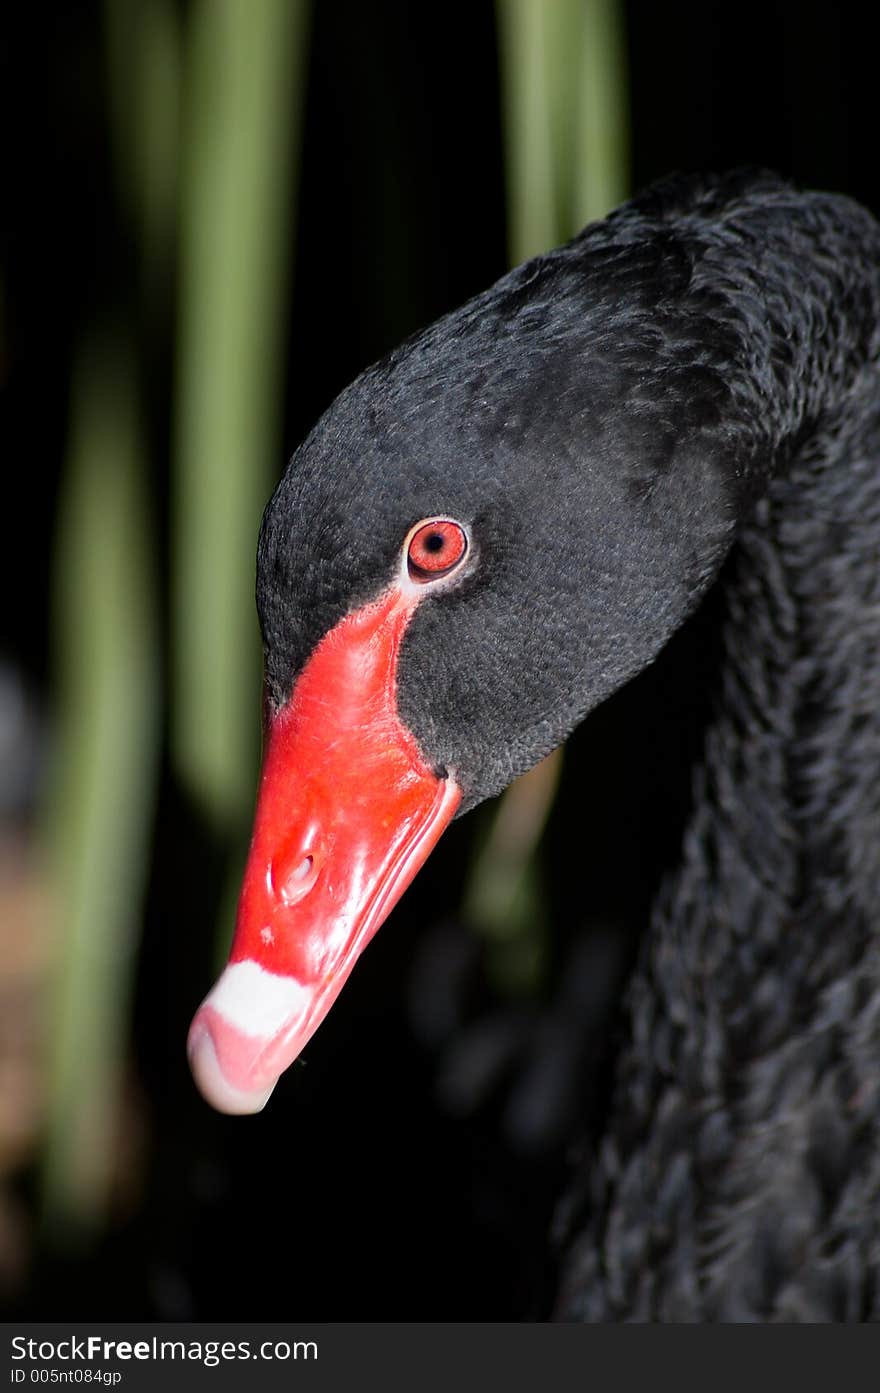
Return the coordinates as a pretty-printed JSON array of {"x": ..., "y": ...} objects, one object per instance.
[{"x": 485, "y": 535}]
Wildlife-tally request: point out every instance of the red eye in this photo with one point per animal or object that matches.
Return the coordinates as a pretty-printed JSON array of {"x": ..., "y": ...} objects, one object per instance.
[{"x": 435, "y": 549}]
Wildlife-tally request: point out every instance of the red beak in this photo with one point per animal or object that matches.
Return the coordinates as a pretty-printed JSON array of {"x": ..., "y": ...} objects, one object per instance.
[{"x": 347, "y": 812}]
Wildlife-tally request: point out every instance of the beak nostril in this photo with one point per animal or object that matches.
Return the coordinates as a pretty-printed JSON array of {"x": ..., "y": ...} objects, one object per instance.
[
  {"x": 292, "y": 884},
  {"x": 302, "y": 870}
]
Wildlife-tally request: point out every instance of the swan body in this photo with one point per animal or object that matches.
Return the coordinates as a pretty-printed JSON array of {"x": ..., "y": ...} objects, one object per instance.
[{"x": 739, "y": 1178}]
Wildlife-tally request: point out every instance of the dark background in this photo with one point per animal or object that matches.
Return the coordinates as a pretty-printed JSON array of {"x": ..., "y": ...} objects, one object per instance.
[{"x": 412, "y": 1166}]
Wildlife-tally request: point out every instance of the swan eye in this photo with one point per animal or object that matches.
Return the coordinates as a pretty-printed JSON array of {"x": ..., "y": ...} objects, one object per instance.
[{"x": 435, "y": 549}]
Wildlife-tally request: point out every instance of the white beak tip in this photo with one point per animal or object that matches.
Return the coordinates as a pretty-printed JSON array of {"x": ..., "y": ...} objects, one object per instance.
[{"x": 212, "y": 1083}]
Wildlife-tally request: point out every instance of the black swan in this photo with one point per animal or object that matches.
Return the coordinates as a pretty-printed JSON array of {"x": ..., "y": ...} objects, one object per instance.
[{"x": 488, "y": 533}]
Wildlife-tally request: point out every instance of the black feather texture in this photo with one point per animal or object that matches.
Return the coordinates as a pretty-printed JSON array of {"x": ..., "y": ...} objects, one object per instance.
[{"x": 740, "y": 1176}]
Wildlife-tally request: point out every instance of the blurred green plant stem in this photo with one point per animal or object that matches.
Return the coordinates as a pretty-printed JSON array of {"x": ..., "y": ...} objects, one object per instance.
[
  {"x": 102, "y": 796},
  {"x": 243, "y": 82},
  {"x": 107, "y": 654},
  {"x": 564, "y": 115}
]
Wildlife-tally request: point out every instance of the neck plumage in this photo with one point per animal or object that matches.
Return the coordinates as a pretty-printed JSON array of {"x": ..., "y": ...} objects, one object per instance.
[{"x": 740, "y": 1176}]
